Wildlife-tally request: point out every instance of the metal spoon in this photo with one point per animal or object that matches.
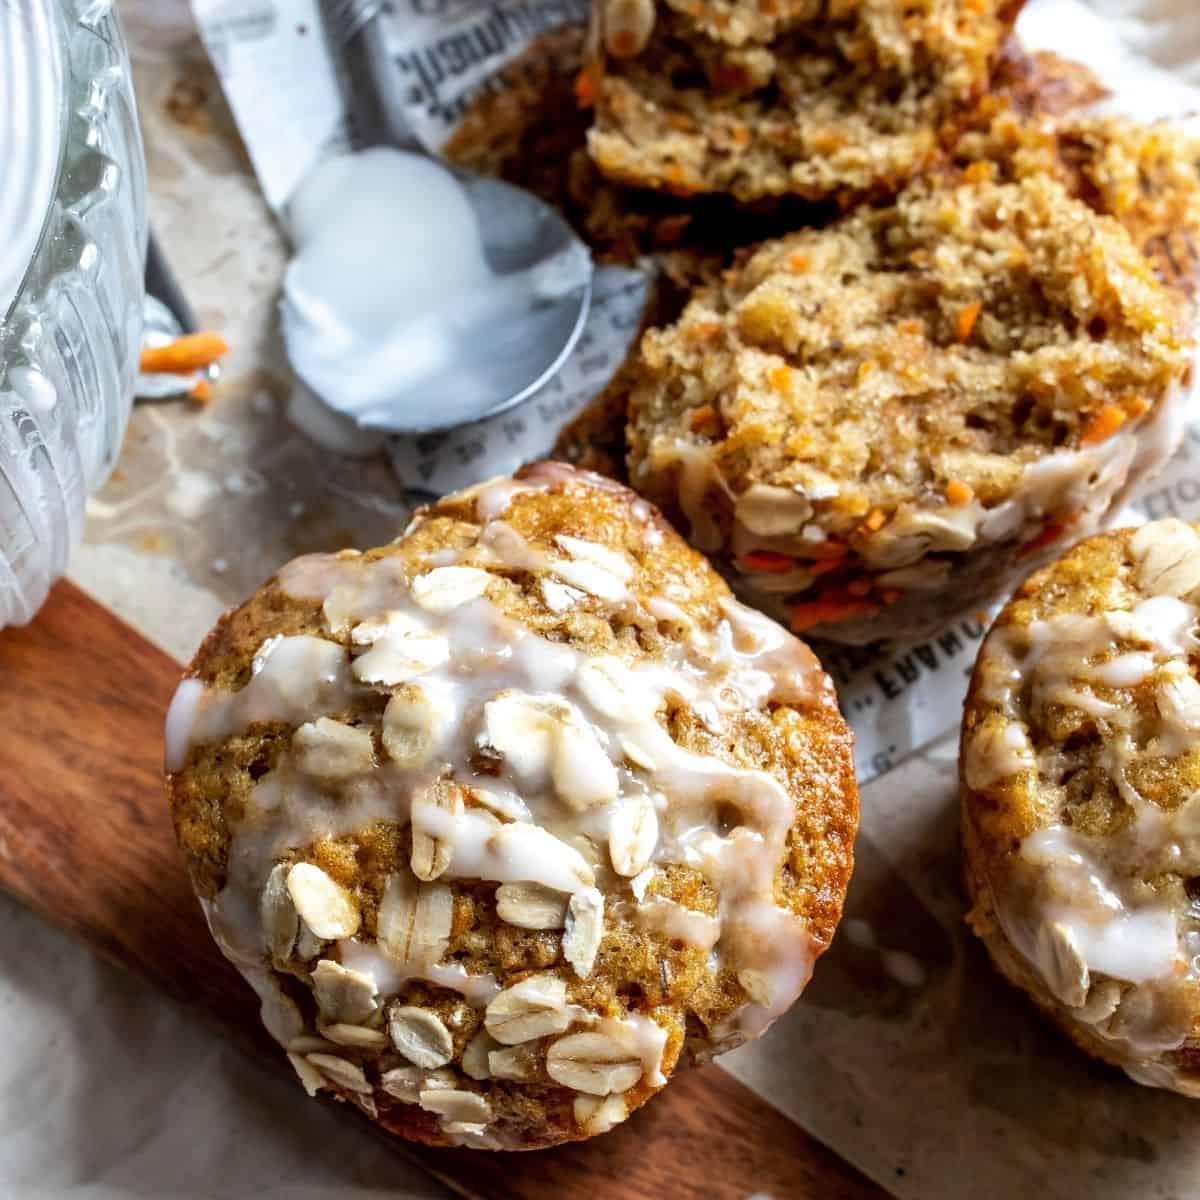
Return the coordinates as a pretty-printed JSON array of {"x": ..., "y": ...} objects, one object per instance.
[{"x": 523, "y": 343}]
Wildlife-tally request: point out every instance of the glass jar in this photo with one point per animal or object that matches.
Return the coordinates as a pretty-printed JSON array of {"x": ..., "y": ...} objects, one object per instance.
[{"x": 73, "y": 203}]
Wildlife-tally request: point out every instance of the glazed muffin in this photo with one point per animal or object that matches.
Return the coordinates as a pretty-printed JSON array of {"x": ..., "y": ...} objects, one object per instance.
[
  {"x": 509, "y": 819},
  {"x": 1080, "y": 768},
  {"x": 790, "y": 99},
  {"x": 875, "y": 425}
]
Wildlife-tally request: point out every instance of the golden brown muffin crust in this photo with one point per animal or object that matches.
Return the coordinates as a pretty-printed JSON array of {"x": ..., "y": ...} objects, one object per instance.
[
  {"x": 640, "y": 970},
  {"x": 1077, "y": 769}
]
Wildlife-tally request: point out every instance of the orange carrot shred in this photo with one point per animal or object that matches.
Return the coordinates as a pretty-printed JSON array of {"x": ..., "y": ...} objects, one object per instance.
[
  {"x": 964, "y": 323},
  {"x": 192, "y": 352},
  {"x": 705, "y": 420},
  {"x": 830, "y": 551},
  {"x": 587, "y": 87},
  {"x": 890, "y": 595},
  {"x": 1103, "y": 424},
  {"x": 780, "y": 379},
  {"x": 201, "y": 392},
  {"x": 767, "y": 562},
  {"x": 817, "y": 612},
  {"x": 959, "y": 493},
  {"x": 1051, "y": 532},
  {"x": 822, "y": 566},
  {"x": 798, "y": 261},
  {"x": 876, "y": 519}
]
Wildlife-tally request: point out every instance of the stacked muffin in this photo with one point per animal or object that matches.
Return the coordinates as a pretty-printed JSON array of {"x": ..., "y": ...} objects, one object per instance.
[{"x": 872, "y": 424}]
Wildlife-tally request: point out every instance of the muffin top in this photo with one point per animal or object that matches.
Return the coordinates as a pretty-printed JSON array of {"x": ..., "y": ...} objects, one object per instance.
[
  {"x": 1080, "y": 767},
  {"x": 504, "y": 818},
  {"x": 796, "y": 98},
  {"x": 924, "y": 377}
]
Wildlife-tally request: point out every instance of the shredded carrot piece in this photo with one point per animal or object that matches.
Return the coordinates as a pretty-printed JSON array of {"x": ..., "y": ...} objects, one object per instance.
[
  {"x": 1135, "y": 406},
  {"x": 980, "y": 172},
  {"x": 587, "y": 86},
  {"x": 190, "y": 353},
  {"x": 832, "y": 551},
  {"x": 201, "y": 392},
  {"x": 780, "y": 379},
  {"x": 1051, "y": 532},
  {"x": 959, "y": 493},
  {"x": 705, "y": 420},
  {"x": 817, "y": 612},
  {"x": 767, "y": 562},
  {"x": 860, "y": 586},
  {"x": 890, "y": 595},
  {"x": 875, "y": 520},
  {"x": 822, "y": 566},
  {"x": 741, "y": 134},
  {"x": 964, "y": 323},
  {"x": 799, "y": 261},
  {"x": 1103, "y": 424},
  {"x": 707, "y": 329}
]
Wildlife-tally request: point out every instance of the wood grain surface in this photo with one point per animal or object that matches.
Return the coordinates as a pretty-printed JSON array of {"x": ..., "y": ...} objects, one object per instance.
[{"x": 85, "y": 840}]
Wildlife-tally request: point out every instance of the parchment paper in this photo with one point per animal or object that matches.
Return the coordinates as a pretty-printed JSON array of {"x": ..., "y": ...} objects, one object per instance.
[{"x": 907, "y": 1054}]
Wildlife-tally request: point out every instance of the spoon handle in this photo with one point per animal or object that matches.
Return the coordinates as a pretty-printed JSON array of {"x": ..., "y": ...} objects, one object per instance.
[{"x": 371, "y": 88}]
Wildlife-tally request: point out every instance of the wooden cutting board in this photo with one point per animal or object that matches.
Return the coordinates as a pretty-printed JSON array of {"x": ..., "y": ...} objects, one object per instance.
[{"x": 85, "y": 840}]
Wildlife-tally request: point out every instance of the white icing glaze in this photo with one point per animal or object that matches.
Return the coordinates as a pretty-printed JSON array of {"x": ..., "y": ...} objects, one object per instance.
[
  {"x": 389, "y": 976},
  {"x": 591, "y": 746},
  {"x": 1116, "y": 938},
  {"x": 1092, "y": 915},
  {"x": 675, "y": 921},
  {"x": 295, "y": 679}
]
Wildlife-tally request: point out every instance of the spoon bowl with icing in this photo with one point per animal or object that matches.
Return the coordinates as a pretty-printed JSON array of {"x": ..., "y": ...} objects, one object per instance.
[{"x": 420, "y": 296}]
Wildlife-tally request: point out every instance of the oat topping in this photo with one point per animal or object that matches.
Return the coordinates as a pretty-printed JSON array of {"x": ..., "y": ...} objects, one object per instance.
[
  {"x": 420, "y": 1036},
  {"x": 487, "y": 764},
  {"x": 326, "y": 908},
  {"x": 533, "y": 1008}
]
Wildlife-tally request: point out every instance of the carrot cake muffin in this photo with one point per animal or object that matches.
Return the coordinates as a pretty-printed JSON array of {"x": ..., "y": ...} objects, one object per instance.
[
  {"x": 874, "y": 425},
  {"x": 1080, "y": 771},
  {"x": 508, "y": 819},
  {"x": 794, "y": 98}
]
